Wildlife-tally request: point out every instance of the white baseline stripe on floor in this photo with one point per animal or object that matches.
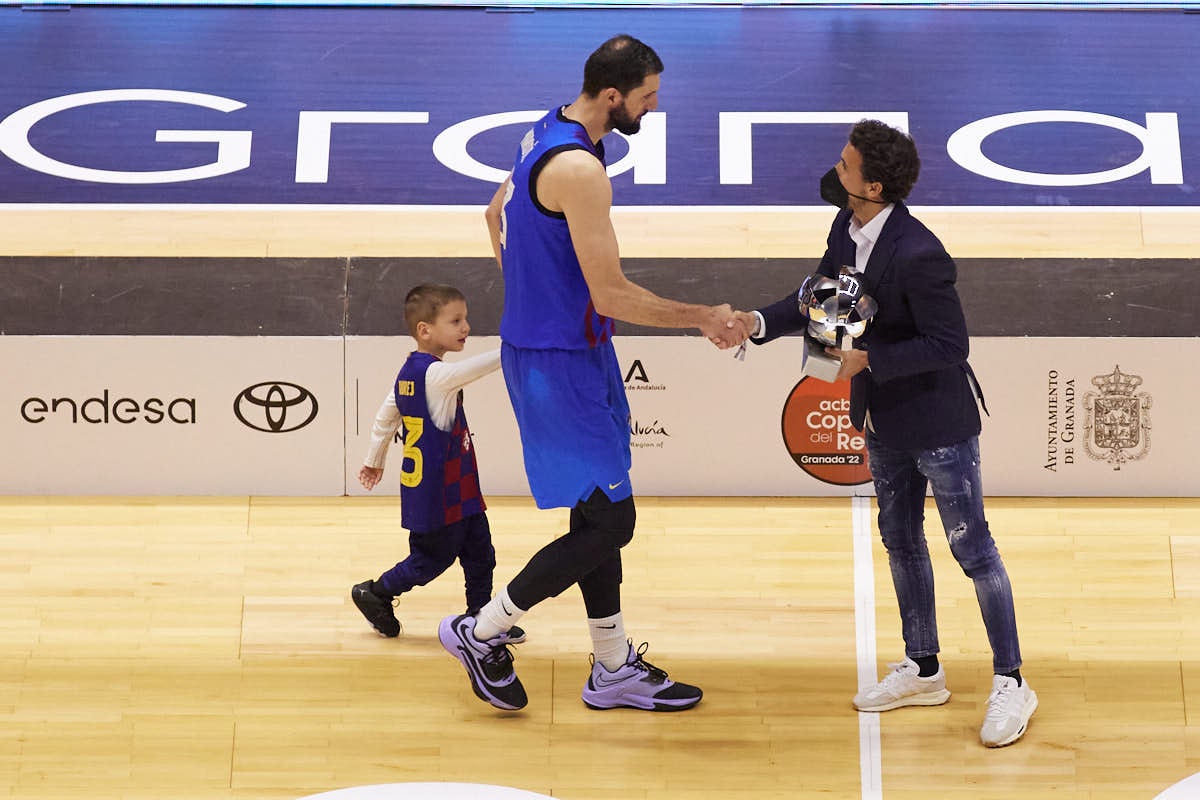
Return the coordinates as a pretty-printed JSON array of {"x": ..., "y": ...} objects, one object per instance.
[{"x": 864, "y": 633}]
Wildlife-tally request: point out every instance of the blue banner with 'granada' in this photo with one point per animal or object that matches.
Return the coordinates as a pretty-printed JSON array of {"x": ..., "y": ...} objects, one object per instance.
[{"x": 425, "y": 106}]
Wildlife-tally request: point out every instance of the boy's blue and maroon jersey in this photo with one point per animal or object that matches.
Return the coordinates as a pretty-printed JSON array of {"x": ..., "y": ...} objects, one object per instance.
[
  {"x": 439, "y": 478},
  {"x": 547, "y": 304}
]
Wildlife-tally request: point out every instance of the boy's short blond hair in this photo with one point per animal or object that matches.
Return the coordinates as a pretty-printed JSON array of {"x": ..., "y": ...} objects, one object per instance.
[{"x": 423, "y": 303}]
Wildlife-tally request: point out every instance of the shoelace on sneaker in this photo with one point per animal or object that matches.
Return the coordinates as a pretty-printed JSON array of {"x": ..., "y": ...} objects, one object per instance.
[
  {"x": 657, "y": 675},
  {"x": 498, "y": 656},
  {"x": 997, "y": 701},
  {"x": 898, "y": 672}
]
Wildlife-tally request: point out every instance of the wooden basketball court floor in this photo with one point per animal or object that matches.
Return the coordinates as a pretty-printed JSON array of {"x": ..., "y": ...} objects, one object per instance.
[{"x": 206, "y": 648}]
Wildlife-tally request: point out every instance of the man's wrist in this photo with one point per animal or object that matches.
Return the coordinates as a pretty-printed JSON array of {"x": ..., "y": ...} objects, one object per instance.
[{"x": 758, "y": 325}]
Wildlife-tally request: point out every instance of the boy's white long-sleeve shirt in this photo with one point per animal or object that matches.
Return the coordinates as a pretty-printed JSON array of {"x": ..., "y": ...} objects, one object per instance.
[{"x": 442, "y": 382}]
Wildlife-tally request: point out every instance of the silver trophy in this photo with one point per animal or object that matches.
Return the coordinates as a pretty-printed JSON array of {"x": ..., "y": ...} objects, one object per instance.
[{"x": 838, "y": 313}]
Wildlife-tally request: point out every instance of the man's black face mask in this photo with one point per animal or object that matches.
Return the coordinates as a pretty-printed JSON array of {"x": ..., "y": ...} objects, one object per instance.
[{"x": 832, "y": 190}]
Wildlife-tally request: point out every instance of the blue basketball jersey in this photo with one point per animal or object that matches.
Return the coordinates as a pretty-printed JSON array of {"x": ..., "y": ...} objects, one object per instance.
[
  {"x": 439, "y": 478},
  {"x": 546, "y": 300}
]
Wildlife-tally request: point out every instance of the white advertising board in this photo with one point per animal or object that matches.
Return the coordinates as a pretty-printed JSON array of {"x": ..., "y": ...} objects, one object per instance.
[
  {"x": 292, "y": 416},
  {"x": 1089, "y": 417},
  {"x": 1068, "y": 417},
  {"x": 172, "y": 415}
]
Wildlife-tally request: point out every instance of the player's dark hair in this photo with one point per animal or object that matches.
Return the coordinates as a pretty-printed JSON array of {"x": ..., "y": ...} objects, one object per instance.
[
  {"x": 889, "y": 157},
  {"x": 423, "y": 303},
  {"x": 623, "y": 63}
]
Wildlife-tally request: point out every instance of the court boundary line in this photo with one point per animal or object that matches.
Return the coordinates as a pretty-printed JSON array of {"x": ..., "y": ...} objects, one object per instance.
[{"x": 869, "y": 754}]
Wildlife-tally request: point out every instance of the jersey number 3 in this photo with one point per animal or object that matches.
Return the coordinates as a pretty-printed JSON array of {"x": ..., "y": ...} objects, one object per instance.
[{"x": 413, "y": 428}]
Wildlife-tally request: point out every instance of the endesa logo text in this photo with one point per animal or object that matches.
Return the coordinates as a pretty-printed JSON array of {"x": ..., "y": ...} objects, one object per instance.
[
  {"x": 103, "y": 409},
  {"x": 1157, "y": 132}
]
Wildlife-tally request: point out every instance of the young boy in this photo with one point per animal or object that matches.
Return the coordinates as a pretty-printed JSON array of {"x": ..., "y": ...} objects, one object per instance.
[{"x": 440, "y": 503}]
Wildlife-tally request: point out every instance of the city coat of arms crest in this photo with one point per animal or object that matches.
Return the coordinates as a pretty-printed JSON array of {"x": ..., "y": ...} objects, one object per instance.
[{"x": 1117, "y": 429}]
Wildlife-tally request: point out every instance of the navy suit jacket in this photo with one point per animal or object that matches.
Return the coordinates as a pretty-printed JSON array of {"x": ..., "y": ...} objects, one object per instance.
[{"x": 919, "y": 389}]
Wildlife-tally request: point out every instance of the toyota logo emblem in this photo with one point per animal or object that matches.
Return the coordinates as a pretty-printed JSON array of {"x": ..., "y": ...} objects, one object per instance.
[{"x": 275, "y": 407}]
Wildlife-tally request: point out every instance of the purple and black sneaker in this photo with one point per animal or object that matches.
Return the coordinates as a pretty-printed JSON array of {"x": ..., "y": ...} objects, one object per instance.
[
  {"x": 637, "y": 684},
  {"x": 489, "y": 665}
]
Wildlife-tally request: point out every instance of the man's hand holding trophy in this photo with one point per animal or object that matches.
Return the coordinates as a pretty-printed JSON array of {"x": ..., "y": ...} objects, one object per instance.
[{"x": 838, "y": 312}]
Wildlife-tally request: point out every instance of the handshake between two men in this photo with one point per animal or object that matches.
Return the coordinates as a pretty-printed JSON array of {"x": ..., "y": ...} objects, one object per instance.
[{"x": 728, "y": 327}]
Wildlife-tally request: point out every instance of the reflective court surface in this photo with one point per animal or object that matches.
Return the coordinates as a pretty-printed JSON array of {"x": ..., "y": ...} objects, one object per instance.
[{"x": 208, "y": 648}]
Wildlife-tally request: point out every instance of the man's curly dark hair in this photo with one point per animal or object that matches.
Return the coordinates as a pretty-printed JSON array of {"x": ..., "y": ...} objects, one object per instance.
[
  {"x": 623, "y": 63},
  {"x": 889, "y": 157}
]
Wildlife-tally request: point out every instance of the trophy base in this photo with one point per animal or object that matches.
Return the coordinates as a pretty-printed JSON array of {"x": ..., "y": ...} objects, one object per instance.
[{"x": 818, "y": 364}]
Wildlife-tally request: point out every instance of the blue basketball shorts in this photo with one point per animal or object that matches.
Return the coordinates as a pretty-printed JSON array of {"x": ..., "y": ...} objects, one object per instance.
[{"x": 574, "y": 421}]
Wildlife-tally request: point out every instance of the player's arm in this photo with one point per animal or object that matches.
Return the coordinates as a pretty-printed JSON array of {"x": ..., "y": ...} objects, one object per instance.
[
  {"x": 443, "y": 379},
  {"x": 494, "y": 215},
  {"x": 575, "y": 183},
  {"x": 450, "y": 376},
  {"x": 383, "y": 429}
]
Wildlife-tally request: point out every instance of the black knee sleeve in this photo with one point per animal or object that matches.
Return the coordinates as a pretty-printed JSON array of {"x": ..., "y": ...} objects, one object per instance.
[
  {"x": 612, "y": 521},
  {"x": 599, "y": 529}
]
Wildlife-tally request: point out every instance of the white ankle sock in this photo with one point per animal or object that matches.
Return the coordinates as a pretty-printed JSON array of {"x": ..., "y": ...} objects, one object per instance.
[
  {"x": 497, "y": 616},
  {"x": 609, "y": 643}
]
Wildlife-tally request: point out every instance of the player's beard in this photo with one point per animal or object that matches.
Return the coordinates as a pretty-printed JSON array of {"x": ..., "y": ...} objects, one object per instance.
[{"x": 620, "y": 119}]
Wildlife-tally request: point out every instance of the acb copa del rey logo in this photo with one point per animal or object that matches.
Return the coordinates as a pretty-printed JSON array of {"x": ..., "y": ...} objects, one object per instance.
[{"x": 819, "y": 435}]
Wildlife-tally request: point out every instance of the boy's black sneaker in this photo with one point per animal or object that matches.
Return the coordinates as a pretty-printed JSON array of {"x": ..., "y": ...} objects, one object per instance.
[
  {"x": 514, "y": 635},
  {"x": 377, "y": 610}
]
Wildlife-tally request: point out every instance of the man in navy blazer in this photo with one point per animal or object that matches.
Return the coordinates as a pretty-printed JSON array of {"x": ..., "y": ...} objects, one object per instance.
[{"x": 914, "y": 394}]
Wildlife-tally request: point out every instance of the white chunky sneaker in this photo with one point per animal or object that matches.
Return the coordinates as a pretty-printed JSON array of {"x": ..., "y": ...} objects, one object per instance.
[
  {"x": 1009, "y": 708},
  {"x": 903, "y": 686}
]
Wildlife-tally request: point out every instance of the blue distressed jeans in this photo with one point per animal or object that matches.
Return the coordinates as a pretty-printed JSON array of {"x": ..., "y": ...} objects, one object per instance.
[{"x": 901, "y": 477}]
